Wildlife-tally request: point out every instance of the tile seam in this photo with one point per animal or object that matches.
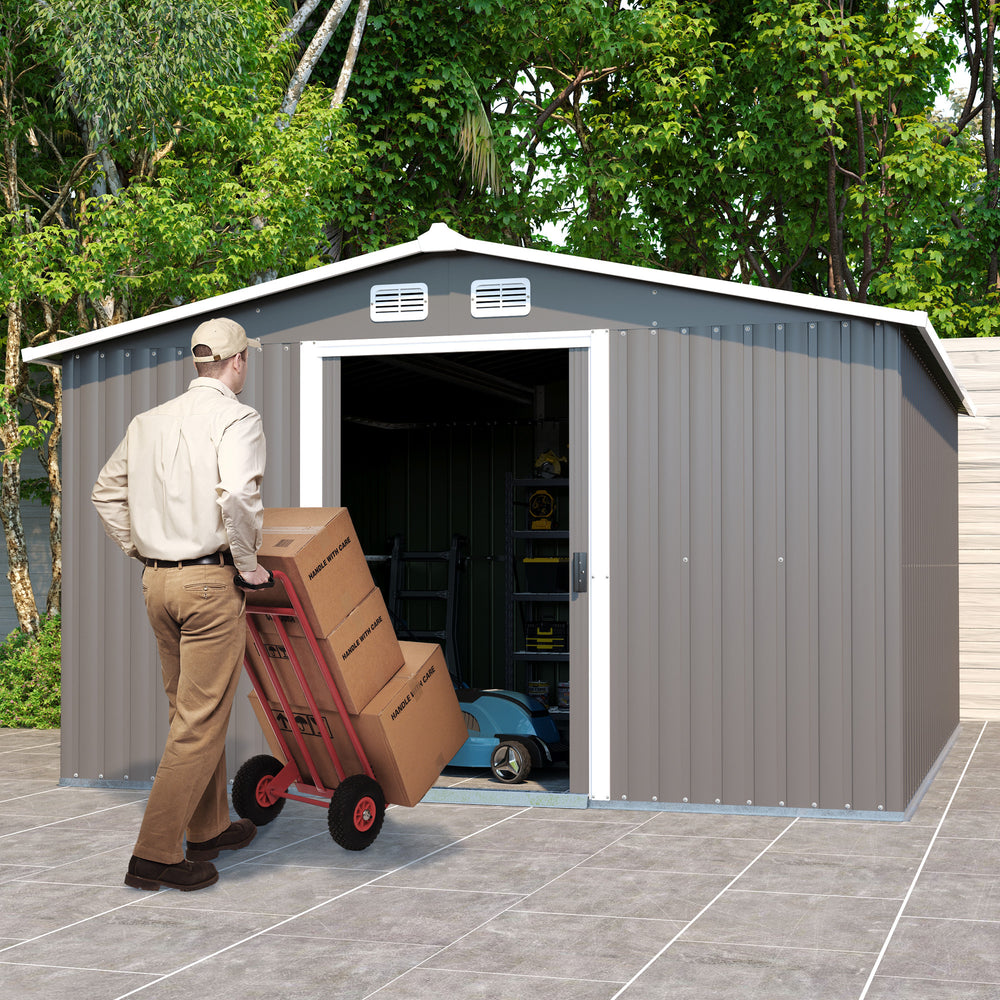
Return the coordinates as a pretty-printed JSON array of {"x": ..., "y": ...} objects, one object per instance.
[
  {"x": 920, "y": 869},
  {"x": 508, "y": 909},
  {"x": 704, "y": 909}
]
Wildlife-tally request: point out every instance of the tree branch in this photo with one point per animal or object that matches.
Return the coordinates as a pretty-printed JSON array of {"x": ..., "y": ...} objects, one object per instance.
[
  {"x": 311, "y": 56},
  {"x": 352, "y": 54},
  {"x": 294, "y": 26}
]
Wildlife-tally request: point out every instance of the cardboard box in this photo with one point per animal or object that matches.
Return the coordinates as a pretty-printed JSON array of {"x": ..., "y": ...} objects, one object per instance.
[
  {"x": 362, "y": 654},
  {"x": 413, "y": 726},
  {"x": 409, "y": 731},
  {"x": 317, "y": 547}
]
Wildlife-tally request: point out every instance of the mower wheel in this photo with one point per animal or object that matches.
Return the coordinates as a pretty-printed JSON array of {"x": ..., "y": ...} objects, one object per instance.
[
  {"x": 356, "y": 812},
  {"x": 511, "y": 762},
  {"x": 251, "y": 790}
]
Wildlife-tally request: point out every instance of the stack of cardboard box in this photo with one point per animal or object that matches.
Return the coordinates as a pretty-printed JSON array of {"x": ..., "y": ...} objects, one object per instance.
[{"x": 398, "y": 696}]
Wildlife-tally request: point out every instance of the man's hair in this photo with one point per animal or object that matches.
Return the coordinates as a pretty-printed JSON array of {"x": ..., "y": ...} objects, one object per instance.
[{"x": 211, "y": 369}]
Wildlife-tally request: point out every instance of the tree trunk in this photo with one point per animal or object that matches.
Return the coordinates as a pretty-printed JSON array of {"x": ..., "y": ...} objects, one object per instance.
[
  {"x": 352, "y": 54},
  {"x": 989, "y": 137},
  {"x": 53, "y": 604},
  {"x": 310, "y": 57},
  {"x": 10, "y": 490}
]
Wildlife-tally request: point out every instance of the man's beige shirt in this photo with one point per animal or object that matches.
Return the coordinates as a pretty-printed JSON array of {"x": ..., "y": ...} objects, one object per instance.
[{"x": 185, "y": 480}]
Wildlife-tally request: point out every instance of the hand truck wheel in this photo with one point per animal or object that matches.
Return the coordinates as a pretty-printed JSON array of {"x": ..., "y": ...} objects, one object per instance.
[
  {"x": 252, "y": 798},
  {"x": 356, "y": 812}
]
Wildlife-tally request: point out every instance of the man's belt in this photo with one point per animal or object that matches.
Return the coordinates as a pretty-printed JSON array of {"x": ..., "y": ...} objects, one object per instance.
[{"x": 224, "y": 558}]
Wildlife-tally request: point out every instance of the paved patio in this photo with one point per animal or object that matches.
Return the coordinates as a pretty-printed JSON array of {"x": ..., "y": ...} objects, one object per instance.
[{"x": 515, "y": 902}]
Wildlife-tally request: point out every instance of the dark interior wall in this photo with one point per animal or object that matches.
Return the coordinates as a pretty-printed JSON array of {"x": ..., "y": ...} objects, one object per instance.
[{"x": 426, "y": 457}]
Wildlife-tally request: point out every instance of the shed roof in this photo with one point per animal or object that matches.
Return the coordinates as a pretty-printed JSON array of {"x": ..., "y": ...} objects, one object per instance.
[{"x": 441, "y": 239}]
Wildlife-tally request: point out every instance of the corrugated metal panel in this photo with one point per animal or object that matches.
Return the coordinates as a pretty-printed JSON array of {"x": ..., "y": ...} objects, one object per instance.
[
  {"x": 760, "y": 576},
  {"x": 114, "y": 709},
  {"x": 930, "y": 569}
]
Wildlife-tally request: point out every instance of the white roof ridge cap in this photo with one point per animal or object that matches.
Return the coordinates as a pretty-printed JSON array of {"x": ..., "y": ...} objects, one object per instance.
[{"x": 441, "y": 238}]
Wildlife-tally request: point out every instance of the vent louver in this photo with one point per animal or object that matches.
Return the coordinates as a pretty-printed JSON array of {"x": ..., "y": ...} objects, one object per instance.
[
  {"x": 399, "y": 303},
  {"x": 501, "y": 297}
]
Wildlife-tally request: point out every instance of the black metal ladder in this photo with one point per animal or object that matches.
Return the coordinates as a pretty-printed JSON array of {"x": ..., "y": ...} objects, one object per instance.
[{"x": 400, "y": 591}]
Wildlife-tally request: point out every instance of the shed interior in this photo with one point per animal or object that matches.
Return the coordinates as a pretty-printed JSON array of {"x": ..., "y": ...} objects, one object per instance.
[{"x": 431, "y": 445}]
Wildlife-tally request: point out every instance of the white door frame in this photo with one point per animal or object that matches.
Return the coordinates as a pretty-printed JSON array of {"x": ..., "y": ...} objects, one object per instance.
[{"x": 597, "y": 342}]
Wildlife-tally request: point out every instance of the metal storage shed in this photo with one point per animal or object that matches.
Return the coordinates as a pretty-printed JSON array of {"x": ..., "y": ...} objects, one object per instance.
[{"x": 763, "y": 486}]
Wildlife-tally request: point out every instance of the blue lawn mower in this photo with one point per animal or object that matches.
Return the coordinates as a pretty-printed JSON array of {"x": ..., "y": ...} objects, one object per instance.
[{"x": 509, "y": 732}]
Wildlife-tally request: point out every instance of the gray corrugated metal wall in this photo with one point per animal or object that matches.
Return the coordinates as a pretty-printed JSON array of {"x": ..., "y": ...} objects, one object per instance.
[
  {"x": 759, "y": 609},
  {"x": 757, "y": 471},
  {"x": 114, "y": 711},
  {"x": 930, "y": 570}
]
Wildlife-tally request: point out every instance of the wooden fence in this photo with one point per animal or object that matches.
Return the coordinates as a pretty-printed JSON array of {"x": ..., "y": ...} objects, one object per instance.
[{"x": 977, "y": 363}]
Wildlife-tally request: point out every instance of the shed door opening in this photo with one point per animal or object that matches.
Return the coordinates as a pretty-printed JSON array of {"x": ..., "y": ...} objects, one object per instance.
[{"x": 467, "y": 456}]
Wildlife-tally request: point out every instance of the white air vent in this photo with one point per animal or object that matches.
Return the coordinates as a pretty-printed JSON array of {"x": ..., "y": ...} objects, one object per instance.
[
  {"x": 399, "y": 303},
  {"x": 502, "y": 297}
]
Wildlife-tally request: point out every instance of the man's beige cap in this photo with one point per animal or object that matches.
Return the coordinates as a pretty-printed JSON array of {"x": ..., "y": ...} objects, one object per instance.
[{"x": 224, "y": 337}]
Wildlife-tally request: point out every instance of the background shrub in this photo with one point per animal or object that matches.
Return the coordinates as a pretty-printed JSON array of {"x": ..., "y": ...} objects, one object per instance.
[{"x": 30, "y": 677}]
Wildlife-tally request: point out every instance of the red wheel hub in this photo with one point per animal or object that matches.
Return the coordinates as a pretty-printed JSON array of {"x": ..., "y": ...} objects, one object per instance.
[
  {"x": 364, "y": 814},
  {"x": 263, "y": 792}
]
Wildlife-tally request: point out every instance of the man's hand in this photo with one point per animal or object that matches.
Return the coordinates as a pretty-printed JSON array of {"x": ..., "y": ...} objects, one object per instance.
[{"x": 260, "y": 577}]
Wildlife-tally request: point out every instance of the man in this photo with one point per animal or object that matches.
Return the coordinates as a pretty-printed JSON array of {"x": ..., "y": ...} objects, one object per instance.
[{"x": 181, "y": 493}]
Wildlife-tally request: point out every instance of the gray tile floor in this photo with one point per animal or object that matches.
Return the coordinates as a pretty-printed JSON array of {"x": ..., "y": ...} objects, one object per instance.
[{"x": 471, "y": 901}]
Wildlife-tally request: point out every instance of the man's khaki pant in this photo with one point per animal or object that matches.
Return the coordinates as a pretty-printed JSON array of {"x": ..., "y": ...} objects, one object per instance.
[{"x": 198, "y": 617}]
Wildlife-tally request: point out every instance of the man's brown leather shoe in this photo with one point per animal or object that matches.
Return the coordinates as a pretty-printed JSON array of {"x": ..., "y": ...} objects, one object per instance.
[
  {"x": 186, "y": 875},
  {"x": 238, "y": 835}
]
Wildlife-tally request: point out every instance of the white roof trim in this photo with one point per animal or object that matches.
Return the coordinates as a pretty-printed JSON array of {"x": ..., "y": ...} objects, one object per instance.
[{"x": 441, "y": 239}]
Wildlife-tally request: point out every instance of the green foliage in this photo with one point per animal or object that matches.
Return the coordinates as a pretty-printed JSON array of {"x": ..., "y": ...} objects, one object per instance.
[
  {"x": 29, "y": 436},
  {"x": 240, "y": 194},
  {"x": 30, "y": 677},
  {"x": 165, "y": 44}
]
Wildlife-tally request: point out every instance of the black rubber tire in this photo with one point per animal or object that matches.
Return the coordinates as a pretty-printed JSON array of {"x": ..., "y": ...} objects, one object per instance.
[
  {"x": 356, "y": 812},
  {"x": 249, "y": 779},
  {"x": 510, "y": 762}
]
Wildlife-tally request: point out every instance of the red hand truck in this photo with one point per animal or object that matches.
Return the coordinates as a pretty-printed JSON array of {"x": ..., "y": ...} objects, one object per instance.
[{"x": 356, "y": 807}]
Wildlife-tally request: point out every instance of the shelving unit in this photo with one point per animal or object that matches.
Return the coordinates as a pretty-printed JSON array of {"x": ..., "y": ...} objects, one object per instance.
[{"x": 525, "y": 603}]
